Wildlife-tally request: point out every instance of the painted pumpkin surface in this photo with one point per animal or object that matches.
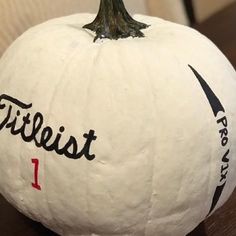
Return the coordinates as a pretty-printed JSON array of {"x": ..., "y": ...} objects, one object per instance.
[{"x": 133, "y": 136}]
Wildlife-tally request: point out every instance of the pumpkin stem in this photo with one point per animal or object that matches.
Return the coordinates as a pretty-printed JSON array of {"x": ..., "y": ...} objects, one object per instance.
[{"x": 114, "y": 22}]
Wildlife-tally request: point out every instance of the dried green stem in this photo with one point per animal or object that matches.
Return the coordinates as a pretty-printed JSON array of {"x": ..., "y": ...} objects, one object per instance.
[{"x": 114, "y": 22}]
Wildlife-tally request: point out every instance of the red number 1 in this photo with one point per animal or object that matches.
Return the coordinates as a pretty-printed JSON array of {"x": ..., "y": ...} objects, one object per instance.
[{"x": 36, "y": 171}]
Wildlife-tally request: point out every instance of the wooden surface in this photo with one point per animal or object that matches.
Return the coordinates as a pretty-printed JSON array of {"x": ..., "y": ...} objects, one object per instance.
[
  {"x": 206, "y": 8},
  {"x": 221, "y": 29},
  {"x": 223, "y": 222}
]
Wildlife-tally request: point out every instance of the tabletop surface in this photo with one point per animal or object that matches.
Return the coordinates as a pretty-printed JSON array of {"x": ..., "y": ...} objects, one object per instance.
[{"x": 221, "y": 30}]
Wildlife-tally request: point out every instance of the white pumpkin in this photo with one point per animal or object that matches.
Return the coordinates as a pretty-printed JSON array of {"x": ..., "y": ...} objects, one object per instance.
[{"x": 153, "y": 117}]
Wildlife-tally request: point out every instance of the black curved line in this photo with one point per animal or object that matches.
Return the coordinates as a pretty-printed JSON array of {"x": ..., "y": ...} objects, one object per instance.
[
  {"x": 216, "y": 197},
  {"x": 212, "y": 98},
  {"x": 216, "y": 108},
  {"x": 15, "y": 101}
]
